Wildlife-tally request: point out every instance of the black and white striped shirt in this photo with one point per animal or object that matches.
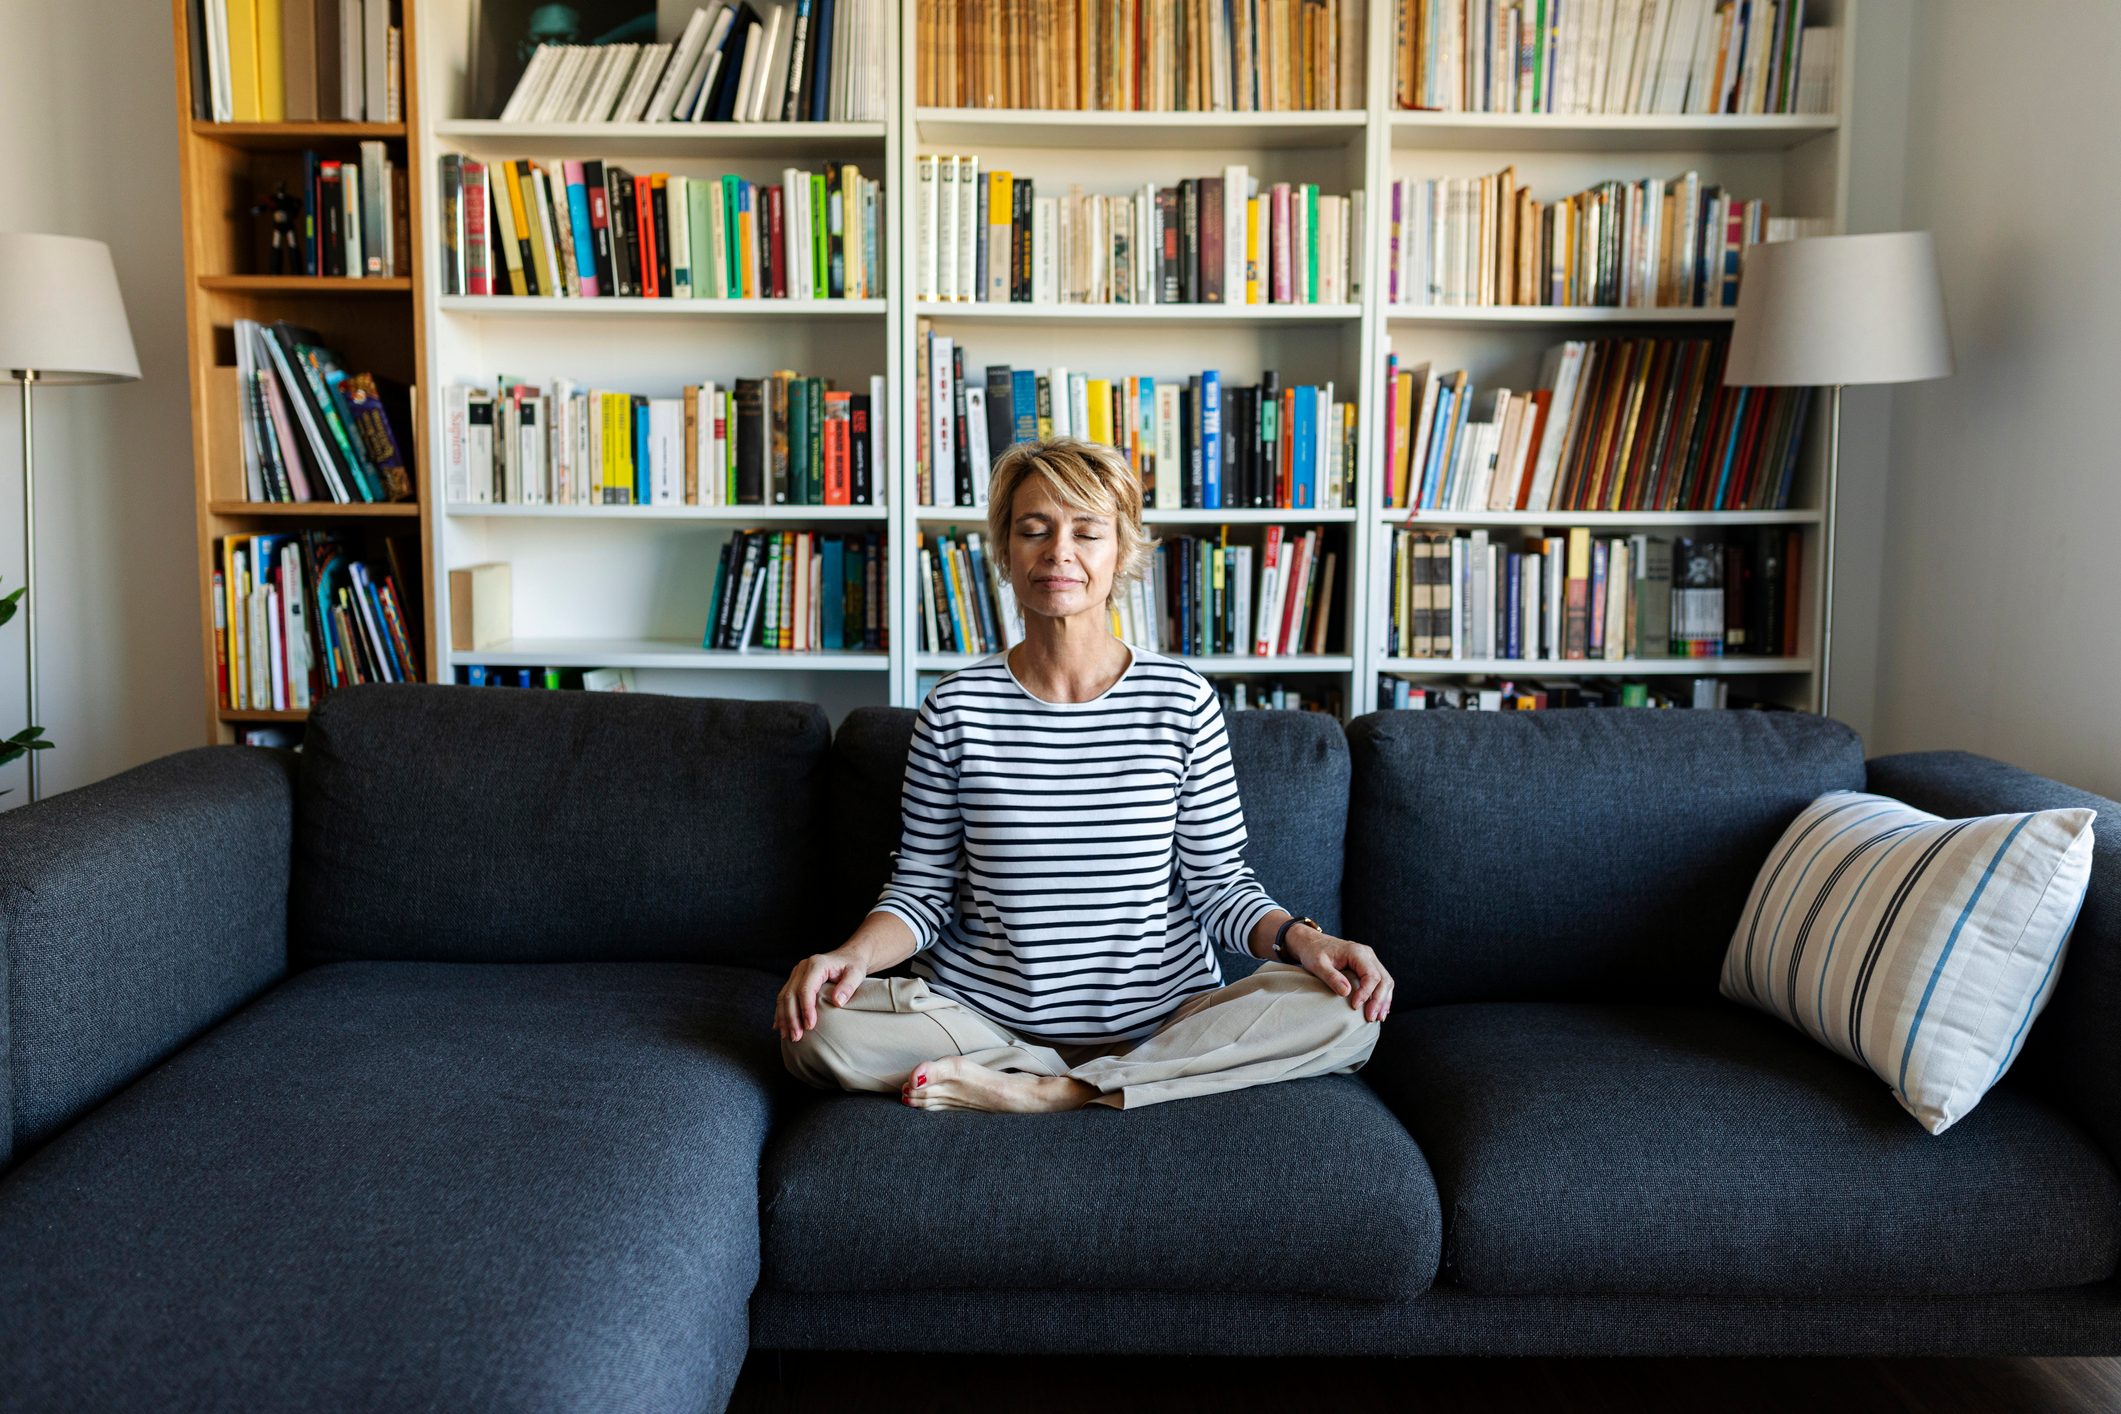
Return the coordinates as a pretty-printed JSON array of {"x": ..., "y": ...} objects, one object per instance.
[{"x": 1068, "y": 869}]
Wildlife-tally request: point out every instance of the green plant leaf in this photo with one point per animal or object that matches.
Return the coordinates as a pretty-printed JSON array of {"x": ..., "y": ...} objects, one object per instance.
[{"x": 7, "y": 605}]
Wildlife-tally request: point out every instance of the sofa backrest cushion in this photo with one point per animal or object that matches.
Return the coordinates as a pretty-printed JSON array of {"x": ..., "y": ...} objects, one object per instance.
[
  {"x": 502, "y": 825},
  {"x": 1590, "y": 852},
  {"x": 1292, "y": 776}
]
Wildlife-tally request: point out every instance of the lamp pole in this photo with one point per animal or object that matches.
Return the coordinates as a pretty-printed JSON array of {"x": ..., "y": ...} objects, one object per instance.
[
  {"x": 28, "y": 377},
  {"x": 1833, "y": 515}
]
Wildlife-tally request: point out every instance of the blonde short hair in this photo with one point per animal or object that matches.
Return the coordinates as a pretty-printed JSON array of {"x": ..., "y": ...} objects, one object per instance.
[{"x": 1084, "y": 476}]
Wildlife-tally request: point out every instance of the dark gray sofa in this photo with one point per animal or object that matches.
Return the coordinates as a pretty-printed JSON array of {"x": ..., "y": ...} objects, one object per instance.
[{"x": 433, "y": 1068}]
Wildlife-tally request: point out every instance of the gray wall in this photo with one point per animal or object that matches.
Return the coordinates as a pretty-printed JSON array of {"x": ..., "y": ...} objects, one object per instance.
[
  {"x": 1999, "y": 611},
  {"x": 88, "y": 147}
]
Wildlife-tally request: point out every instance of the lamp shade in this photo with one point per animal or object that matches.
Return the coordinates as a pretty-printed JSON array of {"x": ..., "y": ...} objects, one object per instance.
[
  {"x": 61, "y": 316},
  {"x": 1840, "y": 309}
]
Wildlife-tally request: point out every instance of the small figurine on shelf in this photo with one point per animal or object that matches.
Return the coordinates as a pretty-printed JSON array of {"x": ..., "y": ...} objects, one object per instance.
[{"x": 284, "y": 258}]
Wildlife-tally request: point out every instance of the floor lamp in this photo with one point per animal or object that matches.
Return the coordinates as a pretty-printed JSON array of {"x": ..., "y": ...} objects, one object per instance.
[
  {"x": 1830, "y": 311},
  {"x": 61, "y": 321}
]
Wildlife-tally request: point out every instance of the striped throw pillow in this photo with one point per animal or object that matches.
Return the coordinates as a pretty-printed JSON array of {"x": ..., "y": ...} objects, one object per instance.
[{"x": 1917, "y": 946}]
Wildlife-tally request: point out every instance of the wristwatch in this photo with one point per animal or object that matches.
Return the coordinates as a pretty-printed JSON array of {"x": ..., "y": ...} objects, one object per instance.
[{"x": 1281, "y": 951}]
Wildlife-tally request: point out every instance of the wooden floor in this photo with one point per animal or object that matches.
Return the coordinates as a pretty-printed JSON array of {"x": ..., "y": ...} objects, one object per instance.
[{"x": 797, "y": 1383}]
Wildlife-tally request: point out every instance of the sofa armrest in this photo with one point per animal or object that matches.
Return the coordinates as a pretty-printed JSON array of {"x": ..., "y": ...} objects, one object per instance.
[
  {"x": 134, "y": 913},
  {"x": 2073, "y": 1054}
]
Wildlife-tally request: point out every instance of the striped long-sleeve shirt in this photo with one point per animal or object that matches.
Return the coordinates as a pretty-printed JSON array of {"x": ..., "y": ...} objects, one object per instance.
[{"x": 1069, "y": 869}]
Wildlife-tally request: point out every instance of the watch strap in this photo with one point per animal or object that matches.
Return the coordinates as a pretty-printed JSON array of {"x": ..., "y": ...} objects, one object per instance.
[{"x": 1280, "y": 951}]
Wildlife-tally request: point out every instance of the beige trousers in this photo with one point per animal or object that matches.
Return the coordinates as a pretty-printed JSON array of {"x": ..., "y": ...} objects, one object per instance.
[{"x": 1280, "y": 1023}]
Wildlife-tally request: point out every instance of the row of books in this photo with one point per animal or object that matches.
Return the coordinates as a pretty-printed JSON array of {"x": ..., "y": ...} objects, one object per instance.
[
  {"x": 1609, "y": 56},
  {"x": 296, "y": 616},
  {"x": 800, "y": 591},
  {"x": 746, "y": 61},
  {"x": 1655, "y": 243},
  {"x": 1244, "y": 694},
  {"x": 1202, "y": 595},
  {"x": 548, "y": 679},
  {"x": 1222, "y": 239},
  {"x": 785, "y": 439},
  {"x": 1531, "y": 695},
  {"x": 310, "y": 431},
  {"x": 1197, "y": 443},
  {"x": 1578, "y": 595},
  {"x": 592, "y": 229},
  {"x": 1615, "y": 425},
  {"x": 1140, "y": 55},
  {"x": 356, "y": 217},
  {"x": 293, "y": 61}
]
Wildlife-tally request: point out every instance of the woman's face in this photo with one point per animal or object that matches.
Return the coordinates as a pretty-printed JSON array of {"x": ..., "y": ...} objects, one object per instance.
[{"x": 1061, "y": 560}]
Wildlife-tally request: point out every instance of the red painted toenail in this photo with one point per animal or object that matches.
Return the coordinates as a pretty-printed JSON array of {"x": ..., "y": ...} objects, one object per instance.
[{"x": 920, "y": 1080}]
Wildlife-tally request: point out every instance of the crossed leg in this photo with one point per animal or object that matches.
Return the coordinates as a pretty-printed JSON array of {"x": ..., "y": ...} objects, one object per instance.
[{"x": 1280, "y": 1023}]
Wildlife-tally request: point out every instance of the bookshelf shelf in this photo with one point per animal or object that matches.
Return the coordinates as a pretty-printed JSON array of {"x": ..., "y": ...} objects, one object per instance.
[
  {"x": 307, "y": 510},
  {"x": 282, "y": 136},
  {"x": 733, "y": 515},
  {"x": 1225, "y": 663},
  {"x": 657, "y": 653},
  {"x": 1507, "y": 315},
  {"x": 1248, "y": 515},
  {"x": 230, "y": 714},
  {"x": 489, "y": 137},
  {"x": 1633, "y": 520},
  {"x": 1597, "y": 667},
  {"x": 634, "y": 307},
  {"x": 1188, "y": 314},
  {"x": 1614, "y": 132},
  {"x": 1041, "y": 127},
  {"x": 307, "y": 284}
]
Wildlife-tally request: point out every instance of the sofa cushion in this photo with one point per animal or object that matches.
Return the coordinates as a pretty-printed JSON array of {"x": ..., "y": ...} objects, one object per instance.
[
  {"x": 409, "y": 1185},
  {"x": 1920, "y": 947},
  {"x": 1292, "y": 776},
  {"x": 1708, "y": 1149},
  {"x": 1304, "y": 1187},
  {"x": 1570, "y": 855},
  {"x": 444, "y": 824}
]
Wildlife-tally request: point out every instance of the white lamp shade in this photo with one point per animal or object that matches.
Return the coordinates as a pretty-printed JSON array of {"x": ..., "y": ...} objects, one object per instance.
[
  {"x": 61, "y": 316},
  {"x": 1840, "y": 309}
]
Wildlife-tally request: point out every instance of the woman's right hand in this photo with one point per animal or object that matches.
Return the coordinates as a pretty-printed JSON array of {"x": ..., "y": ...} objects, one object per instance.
[{"x": 835, "y": 974}]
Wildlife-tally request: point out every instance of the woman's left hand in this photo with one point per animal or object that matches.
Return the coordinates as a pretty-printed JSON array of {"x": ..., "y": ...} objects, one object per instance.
[{"x": 1332, "y": 960}]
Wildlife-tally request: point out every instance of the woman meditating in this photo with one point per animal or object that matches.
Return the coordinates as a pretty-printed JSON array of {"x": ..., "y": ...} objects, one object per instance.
[{"x": 1071, "y": 860}]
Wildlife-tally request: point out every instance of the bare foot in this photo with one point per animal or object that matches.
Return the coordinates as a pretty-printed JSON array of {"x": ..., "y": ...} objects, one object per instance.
[{"x": 954, "y": 1083}]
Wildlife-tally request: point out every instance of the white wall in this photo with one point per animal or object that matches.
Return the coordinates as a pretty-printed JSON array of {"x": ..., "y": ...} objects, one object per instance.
[
  {"x": 2000, "y": 618},
  {"x": 88, "y": 147}
]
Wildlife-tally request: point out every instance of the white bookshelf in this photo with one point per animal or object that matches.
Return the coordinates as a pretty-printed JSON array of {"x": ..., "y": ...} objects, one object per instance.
[{"x": 630, "y": 586}]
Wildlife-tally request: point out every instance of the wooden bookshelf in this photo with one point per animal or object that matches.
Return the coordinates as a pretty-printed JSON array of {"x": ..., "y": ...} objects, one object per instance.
[
  {"x": 375, "y": 324},
  {"x": 629, "y": 586}
]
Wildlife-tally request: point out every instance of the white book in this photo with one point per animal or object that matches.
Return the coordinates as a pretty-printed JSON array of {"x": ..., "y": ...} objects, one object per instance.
[
  {"x": 1045, "y": 257},
  {"x": 879, "y": 483},
  {"x": 266, "y": 689},
  {"x": 249, "y": 396},
  {"x": 795, "y": 203},
  {"x": 679, "y": 201},
  {"x": 375, "y": 67},
  {"x": 220, "y": 95},
  {"x": 614, "y": 68},
  {"x": 647, "y": 72},
  {"x": 924, "y": 209},
  {"x": 1170, "y": 455},
  {"x": 747, "y": 77},
  {"x": 1418, "y": 453},
  {"x": 969, "y": 230},
  {"x": 1236, "y": 182},
  {"x": 941, "y": 408},
  {"x": 944, "y": 232},
  {"x": 666, "y": 451},
  {"x": 296, "y": 632},
  {"x": 527, "y": 87},
  {"x": 717, "y": 250},
  {"x": 670, "y": 85},
  {"x": 767, "y": 103},
  {"x": 553, "y": 81},
  {"x": 456, "y": 470},
  {"x": 977, "y": 451},
  {"x": 719, "y": 16},
  {"x": 1563, "y": 372},
  {"x": 711, "y": 66}
]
